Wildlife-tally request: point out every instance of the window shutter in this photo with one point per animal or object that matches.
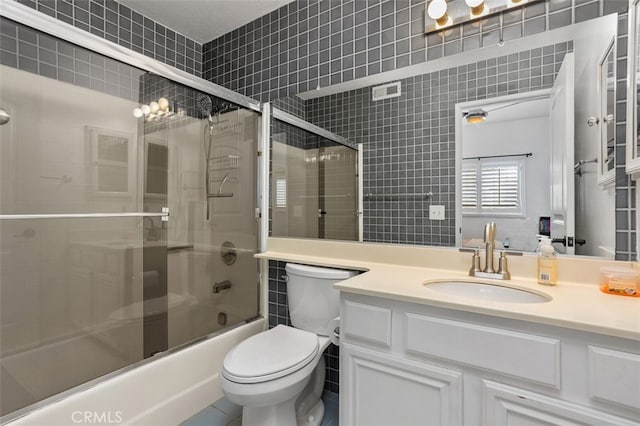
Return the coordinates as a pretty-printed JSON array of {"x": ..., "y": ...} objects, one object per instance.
[
  {"x": 500, "y": 186},
  {"x": 492, "y": 187},
  {"x": 469, "y": 186},
  {"x": 281, "y": 192}
]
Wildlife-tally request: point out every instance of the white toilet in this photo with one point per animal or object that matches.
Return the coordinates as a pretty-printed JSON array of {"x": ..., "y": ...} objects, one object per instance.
[{"x": 278, "y": 375}]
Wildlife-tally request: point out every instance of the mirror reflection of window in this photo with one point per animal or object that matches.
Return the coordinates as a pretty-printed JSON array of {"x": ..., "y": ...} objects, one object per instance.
[
  {"x": 109, "y": 150},
  {"x": 492, "y": 187}
]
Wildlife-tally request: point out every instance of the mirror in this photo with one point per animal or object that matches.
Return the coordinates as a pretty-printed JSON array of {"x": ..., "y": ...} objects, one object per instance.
[{"x": 409, "y": 141}]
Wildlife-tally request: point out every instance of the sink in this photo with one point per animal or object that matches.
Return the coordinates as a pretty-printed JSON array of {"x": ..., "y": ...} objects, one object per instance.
[{"x": 487, "y": 291}]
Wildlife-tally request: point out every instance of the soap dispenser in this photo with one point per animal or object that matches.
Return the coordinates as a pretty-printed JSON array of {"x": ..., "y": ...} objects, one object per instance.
[{"x": 547, "y": 263}]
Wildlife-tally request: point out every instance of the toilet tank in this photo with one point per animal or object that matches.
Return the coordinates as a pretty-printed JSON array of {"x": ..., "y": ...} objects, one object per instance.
[{"x": 313, "y": 302}]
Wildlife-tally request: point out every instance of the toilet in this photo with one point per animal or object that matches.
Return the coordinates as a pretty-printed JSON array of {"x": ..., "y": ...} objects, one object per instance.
[{"x": 278, "y": 375}]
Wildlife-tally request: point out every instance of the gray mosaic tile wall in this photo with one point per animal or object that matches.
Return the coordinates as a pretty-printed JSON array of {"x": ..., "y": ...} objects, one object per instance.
[
  {"x": 120, "y": 24},
  {"x": 29, "y": 50},
  {"x": 311, "y": 43},
  {"x": 292, "y": 104},
  {"x": 409, "y": 141},
  {"x": 279, "y": 314}
]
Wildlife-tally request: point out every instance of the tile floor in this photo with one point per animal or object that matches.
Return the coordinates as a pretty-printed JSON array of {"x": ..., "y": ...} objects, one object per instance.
[{"x": 225, "y": 413}]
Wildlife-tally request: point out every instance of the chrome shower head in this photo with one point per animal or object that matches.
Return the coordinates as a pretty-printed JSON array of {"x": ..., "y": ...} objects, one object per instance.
[{"x": 205, "y": 105}]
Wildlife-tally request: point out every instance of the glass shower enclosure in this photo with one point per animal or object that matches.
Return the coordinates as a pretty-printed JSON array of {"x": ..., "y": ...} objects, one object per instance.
[
  {"x": 315, "y": 184},
  {"x": 127, "y": 217}
]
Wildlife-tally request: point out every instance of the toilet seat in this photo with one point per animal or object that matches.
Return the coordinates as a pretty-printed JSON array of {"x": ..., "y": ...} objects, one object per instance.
[{"x": 270, "y": 355}]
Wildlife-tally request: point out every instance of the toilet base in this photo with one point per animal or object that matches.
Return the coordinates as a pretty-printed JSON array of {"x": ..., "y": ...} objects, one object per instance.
[
  {"x": 314, "y": 416},
  {"x": 283, "y": 414}
]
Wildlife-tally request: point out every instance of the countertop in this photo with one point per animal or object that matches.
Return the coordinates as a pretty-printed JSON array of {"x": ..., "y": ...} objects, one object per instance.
[{"x": 576, "y": 302}]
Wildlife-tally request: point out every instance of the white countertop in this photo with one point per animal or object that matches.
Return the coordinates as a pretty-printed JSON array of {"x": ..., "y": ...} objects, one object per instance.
[{"x": 576, "y": 302}]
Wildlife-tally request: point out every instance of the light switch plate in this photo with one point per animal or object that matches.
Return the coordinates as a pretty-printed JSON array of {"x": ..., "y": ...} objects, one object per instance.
[{"x": 436, "y": 212}]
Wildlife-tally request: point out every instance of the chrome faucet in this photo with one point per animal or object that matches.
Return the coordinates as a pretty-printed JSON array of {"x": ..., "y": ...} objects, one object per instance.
[
  {"x": 489, "y": 270},
  {"x": 490, "y": 245}
]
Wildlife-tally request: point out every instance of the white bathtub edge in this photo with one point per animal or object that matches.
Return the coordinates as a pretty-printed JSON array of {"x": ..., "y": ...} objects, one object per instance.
[{"x": 165, "y": 392}]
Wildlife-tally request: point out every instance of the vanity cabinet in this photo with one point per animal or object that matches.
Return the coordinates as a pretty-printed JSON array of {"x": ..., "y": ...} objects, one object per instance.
[{"x": 410, "y": 364}]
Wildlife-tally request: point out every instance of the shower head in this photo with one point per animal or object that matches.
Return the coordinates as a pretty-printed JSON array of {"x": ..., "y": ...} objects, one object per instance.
[
  {"x": 205, "y": 105},
  {"x": 4, "y": 117}
]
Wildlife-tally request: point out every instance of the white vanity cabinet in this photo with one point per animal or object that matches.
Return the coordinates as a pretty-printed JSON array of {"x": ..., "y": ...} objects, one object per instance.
[{"x": 410, "y": 364}]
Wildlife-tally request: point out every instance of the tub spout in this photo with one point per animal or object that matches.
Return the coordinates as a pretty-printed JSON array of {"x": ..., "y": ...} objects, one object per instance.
[{"x": 222, "y": 285}]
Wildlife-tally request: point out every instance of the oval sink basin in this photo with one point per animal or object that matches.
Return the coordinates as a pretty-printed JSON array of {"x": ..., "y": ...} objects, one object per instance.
[{"x": 487, "y": 291}]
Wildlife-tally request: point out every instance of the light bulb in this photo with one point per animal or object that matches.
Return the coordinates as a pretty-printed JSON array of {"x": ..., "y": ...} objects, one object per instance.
[
  {"x": 163, "y": 103},
  {"x": 145, "y": 109},
  {"x": 476, "y": 6},
  {"x": 154, "y": 107},
  {"x": 437, "y": 9},
  {"x": 137, "y": 113}
]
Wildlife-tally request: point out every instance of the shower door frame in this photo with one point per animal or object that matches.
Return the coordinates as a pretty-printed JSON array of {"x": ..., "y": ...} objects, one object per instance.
[{"x": 48, "y": 25}]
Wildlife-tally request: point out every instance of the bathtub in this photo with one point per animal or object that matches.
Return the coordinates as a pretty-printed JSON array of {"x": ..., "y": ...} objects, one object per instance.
[{"x": 167, "y": 391}]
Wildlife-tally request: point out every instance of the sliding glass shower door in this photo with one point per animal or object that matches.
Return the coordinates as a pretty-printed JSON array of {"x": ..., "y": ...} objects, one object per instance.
[
  {"x": 127, "y": 218},
  {"x": 314, "y": 183}
]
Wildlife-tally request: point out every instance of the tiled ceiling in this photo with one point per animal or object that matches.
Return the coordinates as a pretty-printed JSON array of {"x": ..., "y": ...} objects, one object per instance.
[{"x": 204, "y": 20}]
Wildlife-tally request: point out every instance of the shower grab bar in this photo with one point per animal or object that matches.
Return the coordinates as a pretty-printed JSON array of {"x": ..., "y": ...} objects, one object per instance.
[
  {"x": 223, "y": 195},
  {"x": 78, "y": 215},
  {"x": 63, "y": 178},
  {"x": 416, "y": 194}
]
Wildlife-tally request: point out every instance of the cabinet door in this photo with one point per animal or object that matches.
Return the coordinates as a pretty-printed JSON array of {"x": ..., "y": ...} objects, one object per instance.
[
  {"x": 379, "y": 389},
  {"x": 509, "y": 406}
]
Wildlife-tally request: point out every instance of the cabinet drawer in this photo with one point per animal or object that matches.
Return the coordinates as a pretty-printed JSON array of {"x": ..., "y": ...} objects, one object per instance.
[
  {"x": 614, "y": 376},
  {"x": 365, "y": 322},
  {"x": 521, "y": 355}
]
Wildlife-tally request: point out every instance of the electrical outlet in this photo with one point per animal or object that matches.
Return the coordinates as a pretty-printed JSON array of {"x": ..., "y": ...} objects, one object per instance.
[{"x": 436, "y": 212}]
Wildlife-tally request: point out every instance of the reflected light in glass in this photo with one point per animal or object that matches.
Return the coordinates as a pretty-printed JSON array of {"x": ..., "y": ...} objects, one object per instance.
[{"x": 163, "y": 103}]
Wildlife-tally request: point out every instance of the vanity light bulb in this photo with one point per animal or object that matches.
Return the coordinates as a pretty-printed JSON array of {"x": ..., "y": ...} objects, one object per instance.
[
  {"x": 137, "y": 113},
  {"x": 145, "y": 109},
  {"x": 163, "y": 103},
  {"x": 476, "y": 6},
  {"x": 154, "y": 107},
  {"x": 437, "y": 9}
]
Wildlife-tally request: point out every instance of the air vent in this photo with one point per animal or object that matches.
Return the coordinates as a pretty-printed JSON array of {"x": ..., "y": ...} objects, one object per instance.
[{"x": 386, "y": 91}]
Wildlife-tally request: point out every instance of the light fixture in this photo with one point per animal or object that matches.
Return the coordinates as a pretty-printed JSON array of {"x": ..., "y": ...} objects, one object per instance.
[
  {"x": 443, "y": 14},
  {"x": 476, "y": 8},
  {"x": 437, "y": 11},
  {"x": 154, "y": 110},
  {"x": 475, "y": 116}
]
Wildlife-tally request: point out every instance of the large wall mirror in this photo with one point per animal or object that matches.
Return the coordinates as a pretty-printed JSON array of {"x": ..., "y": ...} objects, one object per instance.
[{"x": 520, "y": 133}]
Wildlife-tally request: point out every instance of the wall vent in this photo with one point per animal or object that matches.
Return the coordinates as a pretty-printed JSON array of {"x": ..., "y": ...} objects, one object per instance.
[{"x": 386, "y": 91}]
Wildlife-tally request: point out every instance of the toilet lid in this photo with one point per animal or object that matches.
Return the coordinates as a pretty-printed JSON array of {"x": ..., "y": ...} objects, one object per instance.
[{"x": 270, "y": 355}]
